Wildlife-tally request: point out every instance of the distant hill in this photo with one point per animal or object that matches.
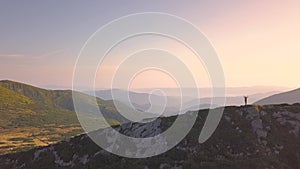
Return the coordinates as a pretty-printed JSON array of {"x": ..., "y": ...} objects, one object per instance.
[
  {"x": 32, "y": 116},
  {"x": 248, "y": 137},
  {"x": 144, "y": 101},
  {"x": 290, "y": 97}
]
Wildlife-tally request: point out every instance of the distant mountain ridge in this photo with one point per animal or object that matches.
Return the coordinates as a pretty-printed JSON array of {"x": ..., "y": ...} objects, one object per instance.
[
  {"x": 289, "y": 97},
  {"x": 144, "y": 101}
]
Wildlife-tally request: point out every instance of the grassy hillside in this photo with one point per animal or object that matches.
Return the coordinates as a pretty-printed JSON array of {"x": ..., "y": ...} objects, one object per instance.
[
  {"x": 55, "y": 98},
  {"x": 33, "y": 117}
]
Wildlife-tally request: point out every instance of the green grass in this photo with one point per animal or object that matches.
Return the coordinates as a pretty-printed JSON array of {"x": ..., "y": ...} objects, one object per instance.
[{"x": 27, "y": 107}]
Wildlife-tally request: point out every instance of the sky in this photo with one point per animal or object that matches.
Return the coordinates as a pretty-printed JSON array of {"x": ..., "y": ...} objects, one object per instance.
[{"x": 257, "y": 41}]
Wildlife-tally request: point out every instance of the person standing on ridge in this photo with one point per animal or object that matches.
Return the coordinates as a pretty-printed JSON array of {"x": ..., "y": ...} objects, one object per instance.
[{"x": 246, "y": 100}]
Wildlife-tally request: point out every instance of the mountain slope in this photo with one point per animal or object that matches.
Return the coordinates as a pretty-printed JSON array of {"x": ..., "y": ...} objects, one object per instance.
[
  {"x": 33, "y": 117},
  {"x": 62, "y": 99},
  {"x": 26, "y": 123},
  {"x": 290, "y": 97},
  {"x": 56, "y": 98},
  {"x": 247, "y": 137}
]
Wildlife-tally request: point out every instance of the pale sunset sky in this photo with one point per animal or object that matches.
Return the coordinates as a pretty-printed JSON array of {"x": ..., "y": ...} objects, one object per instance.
[{"x": 257, "y": 41}]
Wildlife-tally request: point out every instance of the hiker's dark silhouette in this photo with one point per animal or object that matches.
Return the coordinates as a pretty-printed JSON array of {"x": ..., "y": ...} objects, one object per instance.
[{"x": 246, "y": 100}]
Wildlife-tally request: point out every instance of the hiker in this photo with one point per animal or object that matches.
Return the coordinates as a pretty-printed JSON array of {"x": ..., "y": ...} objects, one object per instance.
[{"x": 246, "y": 100}]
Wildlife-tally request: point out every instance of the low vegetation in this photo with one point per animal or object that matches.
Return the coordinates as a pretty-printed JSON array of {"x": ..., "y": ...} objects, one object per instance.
[{"x": 32, "y": 117}]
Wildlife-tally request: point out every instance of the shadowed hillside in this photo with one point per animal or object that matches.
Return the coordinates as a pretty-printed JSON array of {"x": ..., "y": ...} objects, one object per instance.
[{"x": 248, "y": 137}]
